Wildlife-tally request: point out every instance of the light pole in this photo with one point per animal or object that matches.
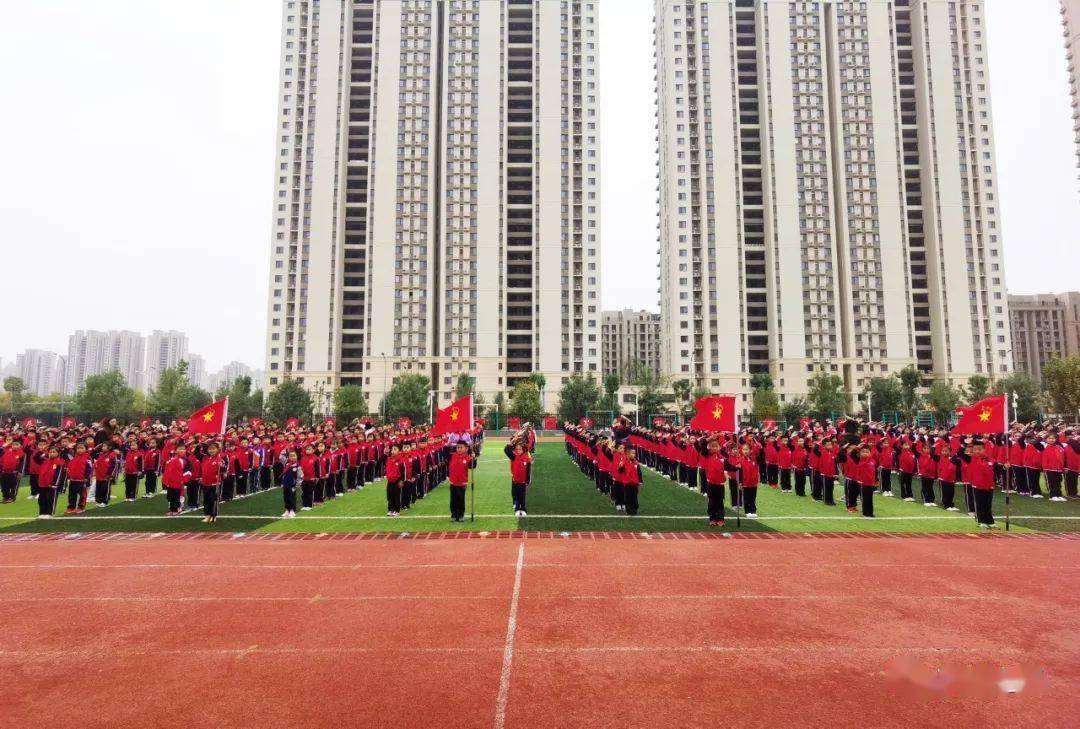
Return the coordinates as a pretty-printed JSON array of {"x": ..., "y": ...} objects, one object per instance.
[{"x": 385, "y": 394}]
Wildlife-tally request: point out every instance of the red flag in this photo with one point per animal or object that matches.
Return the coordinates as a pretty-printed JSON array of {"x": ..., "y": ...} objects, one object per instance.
[
  {"x": 513, "y": 423},
  {"x": 714, "y": 413},
  {"x": 256, "y": 423},
  {"x": 331, "y": 421},
  {"x": 983, "y": 418},
  {"x": 145, "y": 423},
  {"x": 210, "y": 419},
  {"x": 586, "y": 423},
  {"x": 550, "y": 422},
  {"x": 658, "y": 421},
  {"x": 67, "y": 423},
  {"x": 29, "y": 423},
  {"x": 404, "y": 422},
  {"x": 455, "y": 418},
  {"x": 292, "y": 423},
  {"x": 768, "y": 424},
  {"x": 804, "y": 423}
]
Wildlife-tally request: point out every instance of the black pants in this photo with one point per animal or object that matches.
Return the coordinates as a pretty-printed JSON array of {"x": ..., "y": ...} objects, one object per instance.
[
  {"x": 715, "y": 493},
  {"x": 1070, "y": 484},
  {"x": 517, "y": 493},
  {"x": 194, "y": 493},
  {"x": 733, "y": 490},
  {"x": 46, "y": 499},
  {"x": 800, "y": 482},
  {"x": 928, "y": 490},
  {"x": 750, "y": 500},
  {"x": 242, "y": 480},
  {"x": 288, "y": 493},
  {"x": 772, "y": 474},
  {"x": 1020, "y": 479},
  {"x": 131, "y": 485},
  {"x": 984, "y": 503},
  {"x": 353, "y": 478},
  {"x": 906, "y": 491},
  {"x": 815, "y": 486},
  {"x": 630, "y": 494},
  {"x": 210, "y": 500},
  {"x": 8, "y": 485},
  {"x": 1053, "y": 483},
  {"x": 33, "y": 484},
  {"x": 228, "y": 487},
  {"x": 886, "y": 481},
  {"x": 393, "y": 496},
  {"x": 307, "y": 494},
  {"x": 867, "y": 500},
  {"x": 851, "y": 493},
  {"x": 103, "y": 491},
  {"x": 618, "y": 493},
  {"x": 969, "y": 498},
  {"x": 948, "y": 493},
  {"x": 457, "y": 502},
  {"x": 151, "y": 482},
  {"x": 77, "y": 495},
  {"x": 266, "y": 477},
  {"x": 785, "y": 479},
  {"x": 1033, "y": 476},
  {"x": 173, "y": 495},
  {"x": 827, "y": 490}
]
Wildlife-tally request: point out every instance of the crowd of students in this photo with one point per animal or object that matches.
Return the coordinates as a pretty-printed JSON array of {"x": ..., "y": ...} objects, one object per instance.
[
  {"x": 321, "y": 463},
  {"x": 864, "y": 459}
]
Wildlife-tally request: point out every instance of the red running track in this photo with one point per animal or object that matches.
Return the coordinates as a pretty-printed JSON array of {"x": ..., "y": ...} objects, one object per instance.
[{"x": 532, "y": 632}]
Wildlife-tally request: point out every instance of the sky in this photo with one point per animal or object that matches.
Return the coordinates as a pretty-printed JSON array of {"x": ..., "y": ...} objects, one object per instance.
[{"x": 137, "y": 150}]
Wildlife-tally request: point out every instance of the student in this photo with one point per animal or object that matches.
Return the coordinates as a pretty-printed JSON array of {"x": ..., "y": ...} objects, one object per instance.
[
  {"x": 979, "y": 472},
  {"x": 784, "y": 461},
  {"x": 629, "y": 474},
  {"x": 394, "y": 481},
  {"x": 105, "y": 467},
  {"x": 309, "y": 468},
  {"x": 194, "y": 490},
  {"x": 176, "y": 473},
  {"x": 1072, "y": 466},
  {"x": 714, "y": 470},
  {"x": 948, "y": 469},
  {"x": 520, "y": 473},
  {"x": 886, "y": 457},
  {"x": 862, "y": 470},
  {"x": 908, "y": 465},
  {"x": 460, "y": 463},
  {"x": 749, "y": 478},
  {"x": 132, "y": 469},
  {"x": 799, "y": 465},
  {"x": 212, "y": 472},
  {"x": 827, "y": 470},
  {"x": 291, "y": 475},
  {"x": 50, "y": 478},
  {"x": 12, "y": 463},
  {"x": 36, "y": 455},
  {"x": 80, "y": 469},
  {"x": 928, "y": 468},
  {"x": 1053, "y": 465},
  {"x": 1033, "y": 449},
  {"x": 151, "y": 467}
]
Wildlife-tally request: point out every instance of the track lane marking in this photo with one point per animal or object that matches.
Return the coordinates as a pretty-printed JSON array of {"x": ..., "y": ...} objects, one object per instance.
[{"x": 508, "y": 649}]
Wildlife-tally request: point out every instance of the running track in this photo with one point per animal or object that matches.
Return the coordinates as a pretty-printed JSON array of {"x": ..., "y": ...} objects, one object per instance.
[{"x": 520, "y": 631}]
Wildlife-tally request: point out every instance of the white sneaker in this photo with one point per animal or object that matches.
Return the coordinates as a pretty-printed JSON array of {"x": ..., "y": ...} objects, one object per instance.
[
  {"x": 887, "y": 494},
  {"x": 930, "y": 504},
  {"x": 984, "y": 526},
  {"x": 102, "y": 506},
  {"x": 910, "y": 498},
  {"x": 1057, "y": 498},
  {"x": 1036, "y": 496},
  {"x": 952, "y": 508},
  {"x": 305, "y": 508},
  {"x": 524, "y": 513},
  {"x": 751, "y": 516},
  {"x": 971, "y": 513},
  {"x": 31, "y": 496},
  {"x": 285, "y": 515},
  {"x": 45, "y": 516}
]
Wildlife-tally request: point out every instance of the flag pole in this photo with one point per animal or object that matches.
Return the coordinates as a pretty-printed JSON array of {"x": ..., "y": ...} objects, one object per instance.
[
  {"x": 1005, "y": 485},
  {"x": 476, "y": 456}
]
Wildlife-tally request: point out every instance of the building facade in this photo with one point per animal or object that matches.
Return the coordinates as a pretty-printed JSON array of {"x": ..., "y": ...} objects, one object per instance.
[
  {"x": 42, "y": 372},
  {"x": 1070, "y": 18},
  {"x": 1044, "y": 326},
  {"x": 94, "y": 353},
  {"x": 437, "y": 194},
  {"x": 163, "y": 350},
  {"x": 828, "y": 192},
  {"x": 630, "y": 339}
]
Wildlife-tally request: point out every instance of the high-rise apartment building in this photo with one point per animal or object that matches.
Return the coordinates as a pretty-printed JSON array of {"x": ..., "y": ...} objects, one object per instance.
[
  {"x": 629, "y": 340},
  {"x": 437, "y": 194},
  {"x": 1044, "y": 326},
  {"x": 94, "y": 353},
  {"x": 828, "y": 191},
  {"x": 1070, "y": 18},
  {"x": 42, "y": 372},
  {"x": 163, "y": 350}
]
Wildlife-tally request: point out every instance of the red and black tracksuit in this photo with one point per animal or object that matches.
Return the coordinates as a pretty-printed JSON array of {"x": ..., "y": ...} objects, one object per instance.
[
  {"x": 458, "y": 473},
  {"x": 12, "y": 463},
  {"x": 176, "y": 473},
  {"x": 520, "y": 476},
  {"x": 80, "y": 470}
]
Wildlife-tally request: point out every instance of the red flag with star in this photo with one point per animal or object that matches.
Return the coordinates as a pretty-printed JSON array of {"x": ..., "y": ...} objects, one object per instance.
[
  {"x": 457, "y": 418},
  {"x": 715, "y": 413},
  {"x": 985, "y": 417},
  {"x": 210, "y": 419}
]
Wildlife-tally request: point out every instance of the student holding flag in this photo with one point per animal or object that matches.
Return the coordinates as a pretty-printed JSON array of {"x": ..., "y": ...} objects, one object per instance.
[
  {"x": 715, "y": 414},
  {"x": 457, "y": 418}
]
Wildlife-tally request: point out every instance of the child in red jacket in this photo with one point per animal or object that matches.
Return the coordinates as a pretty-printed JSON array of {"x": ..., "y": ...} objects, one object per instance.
[{"x": 460, "y": 464}]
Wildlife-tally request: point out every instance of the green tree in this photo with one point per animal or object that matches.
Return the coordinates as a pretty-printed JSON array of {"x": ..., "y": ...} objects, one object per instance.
[
  {"x": 886, "y": 393},
  {"x": 978, "y": 387},
  {"x": 175, "y": 397},
  {"x": 794, "y": 410},
  {"x": 766, "y": 403},
  {"x": 910, "y": 382},
  {"x": 1027, "y": 392},
  {"x": 1061, "y": 376},
  {"x": 17, "y": 389},
  {"x": 826, "y": 395},
  {"x": 681, "y": 390},
  {"x": 539, "y": 380},
  {"x": 243, "y": 402},
  {"x": 525, "y": 402},
  {"x": 288, "y": 400},
  {"x": 408, "y": 398},
  {"x": 650, "y": 398},
  {"x": 943, "y": 397},
  {"x": 349, "y": 404},
  {"x": 577, "y": 397},
  {"x": 611, "y": 393},
  {"x": 762, "y": 380},
  {"x": 498, "y": 409},
  {"x": 106, "y": 395},
  {"x": 465, "y": 385}
]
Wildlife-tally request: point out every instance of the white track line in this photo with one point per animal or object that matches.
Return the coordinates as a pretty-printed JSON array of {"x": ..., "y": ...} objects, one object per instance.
[
  {"x": 550, "y": 565},
  {"x": 639, "y": 517},
  {"x": 508, "y": 649}
]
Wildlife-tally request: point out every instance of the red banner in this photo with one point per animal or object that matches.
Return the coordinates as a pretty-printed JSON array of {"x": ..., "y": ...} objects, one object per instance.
[
  {"x": 658, "y": 421},
  {"x": 550, "y": 422},
  {"x": 586, "y": 423},
  {"x": 514, "y": 423},
  {"x": 292, "y": 423},
  {"x": 29, "y": 423},
  {"x": 331, "y": 421},
  {"x": 145, "y": 423},
  {"x": 983, "y": 418},
  {"x": 67, "y": 423},
  {"x": 804, "y": 423},
  {"x": 404, "y": 422},
  {"x": 768, "y": 424},
  {"x": 256, "y": 423}
]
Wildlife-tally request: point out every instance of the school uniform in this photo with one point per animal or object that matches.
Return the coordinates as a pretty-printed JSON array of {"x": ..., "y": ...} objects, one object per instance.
[
  {"x": 1072, "y": 468},
  {"x": 80, "y": 469},
  {"x": 799, "y": 459},
  {"x": 1033, "y": 463},
  {"x": 1053, "y": 465},
  {"x": 151, "y": 467},
  {"x": 291, "y": 476},
  {"x": 212, "y": 470},
  {"x": 948, "y": 474},
  {"x": 394, "y": 478},
  {"x": 783, "y": 462},
  {"x": 309, "y": 467},
  {"x": 828, "y": 471},
  {"x": 714, "y": 470},
  {"x": 50, "y": 478},
  {"x": 520, "y": 476},
  {"x": 105, "y": 467},
  {"x": 175, "y": 474},
  {"x": 928, "y": 476},
  {"x": 12, "y": 463},
  {"x": 132, "y": 473},
  {"x": 909, "y": 466},
  {"x": 460, "y": 463},
  {"x": 749, "y": 479},
  {"x": 980, "y": 474},
  {"x": 629, "y": 474}
]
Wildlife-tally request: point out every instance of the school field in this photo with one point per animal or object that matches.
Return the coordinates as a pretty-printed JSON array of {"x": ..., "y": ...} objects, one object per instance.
[{"x": 560, "y": 500}]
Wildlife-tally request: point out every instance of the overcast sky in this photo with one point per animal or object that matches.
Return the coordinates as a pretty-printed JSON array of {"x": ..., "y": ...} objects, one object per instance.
[{"x": 137, "y": 144}]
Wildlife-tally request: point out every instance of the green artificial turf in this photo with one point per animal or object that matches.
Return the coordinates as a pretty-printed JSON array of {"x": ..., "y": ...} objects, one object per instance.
[{"x": 560, "y": 499}]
